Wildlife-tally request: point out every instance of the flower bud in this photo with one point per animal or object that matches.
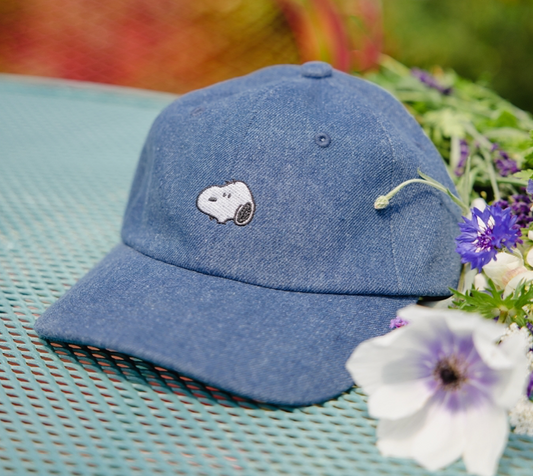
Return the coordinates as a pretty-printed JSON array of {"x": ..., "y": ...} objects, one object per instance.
[
  {"x": 479, "y": 203},
  {"x": 381, "y": 202}
]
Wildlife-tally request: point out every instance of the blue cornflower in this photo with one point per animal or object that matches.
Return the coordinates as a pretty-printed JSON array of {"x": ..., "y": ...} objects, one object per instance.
[{"x": 485, "y": 233}]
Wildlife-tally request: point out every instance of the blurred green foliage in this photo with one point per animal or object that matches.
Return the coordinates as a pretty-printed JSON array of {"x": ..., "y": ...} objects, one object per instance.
[
  {"x": 482, "y": 138},
  {"x": 490, "y": 41}
]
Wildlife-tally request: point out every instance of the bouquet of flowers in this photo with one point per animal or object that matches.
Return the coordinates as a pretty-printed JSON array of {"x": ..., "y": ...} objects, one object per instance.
[{"x": 451, "y": 378}]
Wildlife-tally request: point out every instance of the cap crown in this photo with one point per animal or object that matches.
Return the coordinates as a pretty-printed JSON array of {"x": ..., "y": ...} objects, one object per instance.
[{"x": 306, "y": 151}]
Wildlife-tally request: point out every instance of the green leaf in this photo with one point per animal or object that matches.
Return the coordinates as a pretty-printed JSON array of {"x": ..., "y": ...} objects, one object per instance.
[
  {"x": 467, "y": 181},
  {"x": 472, "y": 112},
  {"x": 523, "y": 175},
  {"x": 506, "y": 119},
  {"x": 486, "y": 304},
  {"x": 528, "y": 162},
  {"x": 509, "y": 139},
  {"x": 448, "y": 122},
  {"x": 490, "y": 303}
]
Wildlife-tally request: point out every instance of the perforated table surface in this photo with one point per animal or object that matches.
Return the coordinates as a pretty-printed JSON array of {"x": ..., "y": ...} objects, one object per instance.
[{"x": 67, "y": 155}]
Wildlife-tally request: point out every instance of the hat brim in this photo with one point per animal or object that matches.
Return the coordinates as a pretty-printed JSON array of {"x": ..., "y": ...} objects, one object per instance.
[{"x": 270, "y": 345}]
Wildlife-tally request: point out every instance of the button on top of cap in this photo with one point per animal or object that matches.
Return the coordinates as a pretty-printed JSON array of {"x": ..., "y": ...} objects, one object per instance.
[{"x": 316, "y": 69}]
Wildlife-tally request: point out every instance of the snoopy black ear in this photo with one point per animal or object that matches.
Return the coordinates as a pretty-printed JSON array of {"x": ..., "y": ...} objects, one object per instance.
[{"x": 244, "y": 214}]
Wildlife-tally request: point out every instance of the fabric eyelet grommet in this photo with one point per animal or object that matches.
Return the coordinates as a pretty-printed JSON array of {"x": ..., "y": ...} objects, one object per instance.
[
  {"x": 197, "y": 111},
  {"x": 316, "y": 70},
  {"x": 322, "y": 139}
]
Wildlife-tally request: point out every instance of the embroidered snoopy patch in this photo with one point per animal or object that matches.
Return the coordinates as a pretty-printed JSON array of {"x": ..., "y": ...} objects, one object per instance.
[{"x": 232, "y": 201}]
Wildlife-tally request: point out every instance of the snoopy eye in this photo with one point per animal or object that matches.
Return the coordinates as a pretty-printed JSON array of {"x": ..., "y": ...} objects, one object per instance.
[
  {"x": 212, "y": 199},
  {"x": 229, "y": 195}
]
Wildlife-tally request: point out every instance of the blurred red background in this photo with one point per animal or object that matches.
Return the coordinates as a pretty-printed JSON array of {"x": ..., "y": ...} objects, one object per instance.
[{"x": 180, "y": 45}]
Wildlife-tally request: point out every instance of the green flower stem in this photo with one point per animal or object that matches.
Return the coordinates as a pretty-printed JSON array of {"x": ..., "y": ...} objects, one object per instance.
[
  {"x": 492, "y": 175},
  {"x": 502, "y": 318},
  {"x": 512, "y": 181},
  {"x": 383, "y": 201},
  {"x": 455, "y": 153},
  {"x": 488, "y": 159}
]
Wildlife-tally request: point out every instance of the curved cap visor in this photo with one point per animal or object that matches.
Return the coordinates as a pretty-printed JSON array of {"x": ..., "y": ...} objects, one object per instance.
[{"x": 274, "y": 346}]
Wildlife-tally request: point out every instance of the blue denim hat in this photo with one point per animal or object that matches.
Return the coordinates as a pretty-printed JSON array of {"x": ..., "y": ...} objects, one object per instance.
[{"x": 253, "y": 258}]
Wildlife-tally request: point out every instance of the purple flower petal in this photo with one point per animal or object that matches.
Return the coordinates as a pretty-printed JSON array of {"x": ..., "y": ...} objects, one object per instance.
[
  {"x": 520, "y": 205},
  {"x": 505, "y": 165},
  {"x": 529, "y": 188},
  {"x": 398, "y": 322},
  {"x": 430, "y": 81},
  {"x": 530, "y": 386},
  {"x": 465, "y": 152}
]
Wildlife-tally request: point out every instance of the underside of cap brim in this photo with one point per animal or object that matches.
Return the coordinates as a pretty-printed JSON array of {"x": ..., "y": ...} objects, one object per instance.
[{"x": 274, "y": 346}]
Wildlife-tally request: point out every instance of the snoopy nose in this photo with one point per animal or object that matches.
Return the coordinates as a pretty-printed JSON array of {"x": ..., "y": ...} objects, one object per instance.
[{"x": 212, "y": 199}]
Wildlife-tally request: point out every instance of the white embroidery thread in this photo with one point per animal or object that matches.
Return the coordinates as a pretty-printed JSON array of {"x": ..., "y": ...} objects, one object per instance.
[{"x": 232, "y": 201}]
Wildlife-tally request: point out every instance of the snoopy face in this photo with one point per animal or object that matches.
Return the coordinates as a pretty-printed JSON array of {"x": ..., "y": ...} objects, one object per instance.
[{"x": 232, "y": 201}]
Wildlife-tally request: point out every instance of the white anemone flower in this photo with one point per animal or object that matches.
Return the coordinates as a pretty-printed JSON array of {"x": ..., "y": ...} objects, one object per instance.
[
  {"x": 480, "y": 282},
  {"x": 442, "y": 387},
  {"x": 524, "y": 277},
  {"x": 503, "y": 267},
  {"x": 529, "y": 256}
]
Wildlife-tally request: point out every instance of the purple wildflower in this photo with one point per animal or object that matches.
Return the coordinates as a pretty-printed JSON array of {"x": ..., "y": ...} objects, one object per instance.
[
  {"x": 505, "y": 165},
  {"x": 503, "y": 204},
  {"x": 521, "y": 208},
  {"x": 485, "y": 233},
  {"x": 529, "y": 188},
  {"x": 465, "y": 152},
  {"x": 529, "y": 392},
  {"x": 520, "y": 205},
  {"x": 430, "y": 81},
  {"x": 398, "y": 322}
]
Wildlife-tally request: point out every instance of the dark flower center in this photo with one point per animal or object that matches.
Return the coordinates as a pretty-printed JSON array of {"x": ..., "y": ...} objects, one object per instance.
[
  {"x": 484, "y": 240},
  {"x": 448, "y": 374}
]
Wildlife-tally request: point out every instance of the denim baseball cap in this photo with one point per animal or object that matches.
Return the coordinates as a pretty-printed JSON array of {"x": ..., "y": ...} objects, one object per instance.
[{"x": 252, "y": 257}]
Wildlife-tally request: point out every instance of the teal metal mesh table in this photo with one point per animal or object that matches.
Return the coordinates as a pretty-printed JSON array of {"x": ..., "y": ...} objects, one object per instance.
[{"x": 67, "y": 156}]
